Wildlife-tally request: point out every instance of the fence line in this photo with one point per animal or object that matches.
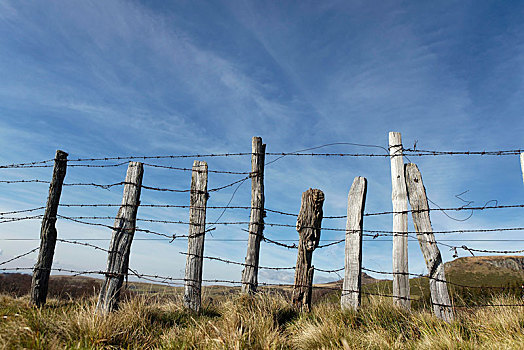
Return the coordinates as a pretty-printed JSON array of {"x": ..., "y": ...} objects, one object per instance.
[
  {"x": 79, "y": 162},
  {"x": 378, "y": 233}
]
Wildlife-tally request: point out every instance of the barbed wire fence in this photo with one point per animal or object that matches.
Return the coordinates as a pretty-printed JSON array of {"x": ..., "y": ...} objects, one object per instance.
[{"x": 13, "y": 216}]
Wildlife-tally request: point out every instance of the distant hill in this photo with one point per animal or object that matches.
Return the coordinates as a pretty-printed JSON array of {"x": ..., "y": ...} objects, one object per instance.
[
  {"x": 501, "y": 271},
  {"x": 486, "y": 270}
]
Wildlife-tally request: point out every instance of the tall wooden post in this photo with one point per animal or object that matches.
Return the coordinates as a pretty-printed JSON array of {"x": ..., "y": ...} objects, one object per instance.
[
  {"x": 120, "y": 246},
  {"x": 308, "y": 226},
  {"x": 195, "y": 242},
  {"x": 256, "y": 222},
  {"x": 400, "y": 222},
  {"x": 522, "y": 164},
  {"x": 351, "y": 289},
  {"x": 420, "y": 212},
  {"x": 42, "y": 270}
]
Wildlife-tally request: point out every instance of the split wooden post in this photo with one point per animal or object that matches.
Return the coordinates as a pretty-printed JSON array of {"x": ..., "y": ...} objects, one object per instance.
[
  {"x": 400, "y": 222},
  {"x": 420, "y": 211},
  {"x": 351, "y": 290},
  {"x": 120, "y": 246},
  {"x": 522, "y": 164},
  {"x": 195, "y": 242},
  {"x": 308, "y": 226},
  {"x": 48, "y": 234},
  {"x": 256, "y": 222}
]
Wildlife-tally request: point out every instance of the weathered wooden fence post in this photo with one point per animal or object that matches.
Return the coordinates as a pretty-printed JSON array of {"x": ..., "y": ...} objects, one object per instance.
[
  {"x": 420, "y": 211},
  {"x": 522, "y": 164},
  {"x": 400, "y": 222},
  {"x": 256, "y": 222},
  {"x": 350, "y": 298},
  {"x": 308, "y": 226},
  {"x": 195, "y": 242},
  {"x": 120, "y": 246},
  {"x": 42, "y": 270}
]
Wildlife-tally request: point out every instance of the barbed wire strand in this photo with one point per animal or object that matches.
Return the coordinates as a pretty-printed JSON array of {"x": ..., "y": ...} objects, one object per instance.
[{"x": 20, "y": 256}]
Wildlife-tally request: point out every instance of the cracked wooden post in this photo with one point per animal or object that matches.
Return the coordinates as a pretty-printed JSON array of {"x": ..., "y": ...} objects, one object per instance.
[
  {"x": 195, "y": 241},
  {"x": 522, "y": 164},
  {"x": 308, "y": 226},
  {"x": 120, "y": 246},
  {"x": 256, "y": 222},
  {"x": 48, "y": 234},
  {"x": 400, "y": 223},
  {"x": 351, "y": 290},
  {"x": 420, "y": 211}
]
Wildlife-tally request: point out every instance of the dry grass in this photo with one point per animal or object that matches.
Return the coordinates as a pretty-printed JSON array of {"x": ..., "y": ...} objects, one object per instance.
[{"x": 260, "y": 322}]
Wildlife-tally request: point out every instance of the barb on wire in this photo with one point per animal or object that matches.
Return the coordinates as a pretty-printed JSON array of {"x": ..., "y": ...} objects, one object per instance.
[
  {"x": 237, "y": 263},
  {"x": 24, "y": 181},
  {"x": 471, "y": 250},
  {"x": 84, "y": 244},
  {"x": 160, "y": 157},
  {"x": 241, "y": 181},
  {"x": 98, "y": 165},
  {"x": 21, "y": 211},
  {"x": 332, "y": 243},
  {"x": 27, "y": 165},
  {"x": 103, "y": 186},
  {"x": 467, "y": 153},
  {"x": 190, "y": 169},
  {"x": 4, "y": 220},
  {"x": 148, "y": 206},
  {"x": 484, "y": 207},
  {"x": 298, "y": 153},
  {"x": 74, "y": 219},
  {"x": 19, "y": 256}
]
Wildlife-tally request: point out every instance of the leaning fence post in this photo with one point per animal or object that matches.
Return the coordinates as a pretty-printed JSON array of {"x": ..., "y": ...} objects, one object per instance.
[
  {"x": 308, "y": 226},
  {"x": 350, "y": 298},
  {"x": 522, "y": 164},
  {"x": 195, "y": 242},
  {"x": 400, "y": 222},
  {"x": 420, "y": 212},
  {"x": 256, "y": 222},
  {"x": 42, "y": 270},
  {"x": 120, "y": 246}
]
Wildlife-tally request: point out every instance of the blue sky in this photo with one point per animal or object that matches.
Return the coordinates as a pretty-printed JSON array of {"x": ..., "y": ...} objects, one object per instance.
[{"x": 118, "y": 78}]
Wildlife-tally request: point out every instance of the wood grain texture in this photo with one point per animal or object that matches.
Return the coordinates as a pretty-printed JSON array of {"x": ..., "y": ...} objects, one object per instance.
[
  {"x": 308, "y": 226},
  {"x": 400, "y": 222},
  {"x": 420, "y": 212},
  {"x": 256, "y": 222},
  {"x": 351, "y": 289},
  {"x": 195, "y": 242},
  {"x": 122, "y": 237},
  {"x": 48, "y": 233}
]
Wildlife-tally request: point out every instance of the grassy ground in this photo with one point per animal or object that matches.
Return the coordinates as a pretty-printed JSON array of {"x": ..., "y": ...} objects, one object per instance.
[{"x": 260, "y": 322}]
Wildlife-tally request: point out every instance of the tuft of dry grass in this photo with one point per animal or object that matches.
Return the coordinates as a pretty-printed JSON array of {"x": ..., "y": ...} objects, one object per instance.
[{"x": 262, "y": 321}]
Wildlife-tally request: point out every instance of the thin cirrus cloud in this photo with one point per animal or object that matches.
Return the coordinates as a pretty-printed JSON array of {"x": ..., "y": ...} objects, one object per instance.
[{"x": 119, "y": 78}]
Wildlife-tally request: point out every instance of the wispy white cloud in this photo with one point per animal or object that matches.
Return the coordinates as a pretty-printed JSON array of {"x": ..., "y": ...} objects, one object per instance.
[{"x": 123, "y": 77}]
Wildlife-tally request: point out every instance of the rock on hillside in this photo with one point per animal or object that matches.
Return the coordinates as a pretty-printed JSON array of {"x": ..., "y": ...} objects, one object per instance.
[
  {"x": 491, "y": 263},
  {"x": 486, "y": 270}
]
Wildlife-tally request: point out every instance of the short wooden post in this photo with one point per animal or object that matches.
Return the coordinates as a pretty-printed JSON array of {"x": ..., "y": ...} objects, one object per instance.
[
  {"x": 350, "y": 298},
  {"x": 308, "y": 226},
  {"x": 120, "y": 246},
  {"x": 195, "y": 242},
  {"x": 42, "y": 270},
  {"x": 522, "y": 164},
  {"x": 420, "y": 212},
  {"x": 256, "y": 222},
  {"x": 400, "y": 222}
]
